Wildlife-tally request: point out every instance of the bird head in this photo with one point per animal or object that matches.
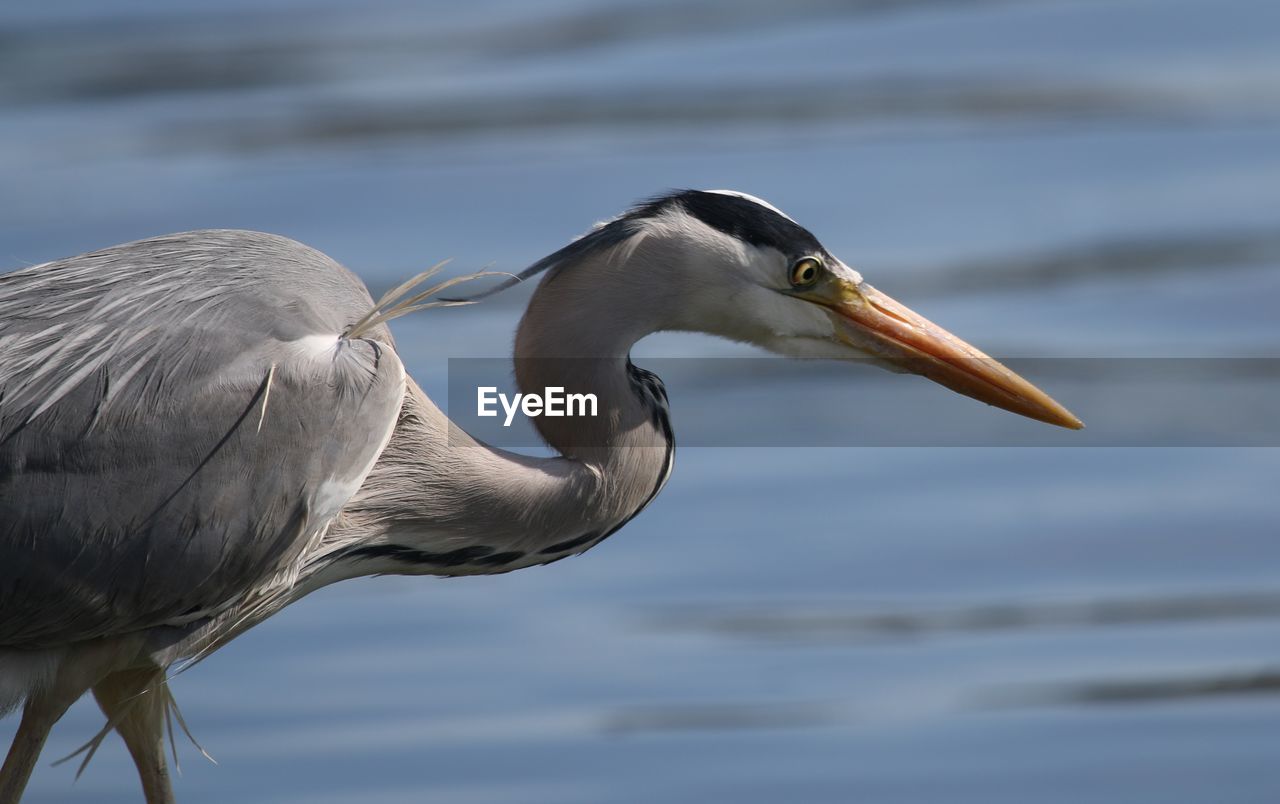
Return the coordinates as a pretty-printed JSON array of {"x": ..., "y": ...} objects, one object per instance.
[{"x": 730, "y": 264}]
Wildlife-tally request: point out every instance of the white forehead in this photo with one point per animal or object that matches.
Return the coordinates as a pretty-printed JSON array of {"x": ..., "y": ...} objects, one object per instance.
[{"x": 753, "y": 200}]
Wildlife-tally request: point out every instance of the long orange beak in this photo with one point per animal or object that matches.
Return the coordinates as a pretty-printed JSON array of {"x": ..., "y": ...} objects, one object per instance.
[{"x": 885, "y": 328}]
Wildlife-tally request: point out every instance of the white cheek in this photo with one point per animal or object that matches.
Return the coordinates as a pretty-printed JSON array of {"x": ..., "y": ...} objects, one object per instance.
[
  {"x": 788, "y": 317},
  {"x": 764, "y": 266},
  {"x": 811, "y": 348}
]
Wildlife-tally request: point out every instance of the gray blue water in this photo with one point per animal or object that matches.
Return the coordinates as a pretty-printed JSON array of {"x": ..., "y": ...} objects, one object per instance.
[{"x": 1067, "y": 178}]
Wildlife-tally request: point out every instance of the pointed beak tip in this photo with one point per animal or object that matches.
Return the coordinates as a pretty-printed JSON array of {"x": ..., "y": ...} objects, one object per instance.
[{"x": 1065, "y": 420}]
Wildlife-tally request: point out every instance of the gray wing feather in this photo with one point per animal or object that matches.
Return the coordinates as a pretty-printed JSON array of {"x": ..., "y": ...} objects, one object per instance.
[{"x": 179, "y": 417}]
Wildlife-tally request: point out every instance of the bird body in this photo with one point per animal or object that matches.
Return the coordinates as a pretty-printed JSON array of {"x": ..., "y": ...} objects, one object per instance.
[
  {"x": 154, "y": 392},
  {"x": 199, "y": 429}
]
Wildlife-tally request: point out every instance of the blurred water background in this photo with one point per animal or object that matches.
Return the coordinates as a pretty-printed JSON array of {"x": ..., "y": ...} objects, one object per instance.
[{"x": 1063, "y": 178}]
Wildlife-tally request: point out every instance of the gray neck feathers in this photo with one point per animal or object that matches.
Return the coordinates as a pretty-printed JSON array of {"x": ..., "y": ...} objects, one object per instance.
[{"x": 439, "y": 502}]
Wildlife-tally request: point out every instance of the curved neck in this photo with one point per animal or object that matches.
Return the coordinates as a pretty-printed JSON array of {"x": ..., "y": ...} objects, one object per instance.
[{"x": 440, "y": 502}]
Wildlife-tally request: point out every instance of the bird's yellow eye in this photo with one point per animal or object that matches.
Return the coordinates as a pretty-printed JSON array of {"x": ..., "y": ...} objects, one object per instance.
[{"x": 804, "y": 272}]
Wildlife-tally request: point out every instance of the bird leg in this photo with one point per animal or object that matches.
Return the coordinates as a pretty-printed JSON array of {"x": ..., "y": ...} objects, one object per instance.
[
  {"x": 134, "y": 701},
  {"x": 42, "y": 710},
  {"x": 81, "y": 668},
  {"x": 44, "y": 707}
]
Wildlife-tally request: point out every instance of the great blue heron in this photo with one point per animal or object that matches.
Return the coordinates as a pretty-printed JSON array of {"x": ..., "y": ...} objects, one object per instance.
[{"x": 197, "y": 430}]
